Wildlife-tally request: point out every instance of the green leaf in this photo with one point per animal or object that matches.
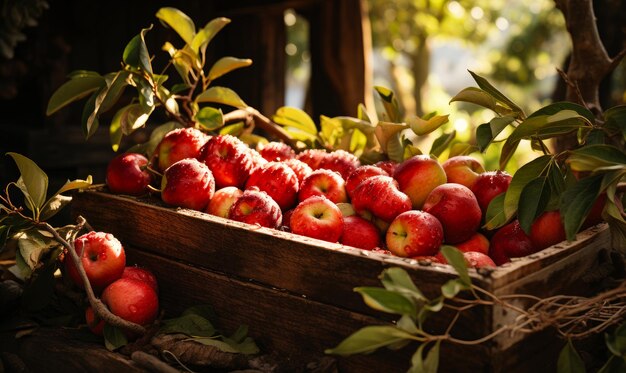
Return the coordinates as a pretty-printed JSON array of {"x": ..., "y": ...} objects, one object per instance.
[
  {"x": 476, "y": 96},
  {"x": 221, "y": 95},
  {"x": 130, "y": 118},
  {"x": 89, "y": 122},
  {"x": 75, "y": 89},
  {"x": 569, "y": 360},
  {"x": 556, "y": 107},
  {"x": 455, "y": 258},
  {"x": 179, "y": 22},
  {"x": 234, "y": 129},
  {"x": 386, "y": 301},
  {"x": 35, "y": 180},
  {"x": 136, "y": 52},
  {"x": 487, "y": 132},
  {"x": 111, "y": 93},
  {"x": 592, "y": 157},
  {"x": 495, "y": 217},
  {"x": 227, "y": 64},
  {"x": 53, "y": 206},
  {"x": 576, "y": 203},
  {"x": 615, "y": 119},
  {"x": 210, "y": 118},
  {"x": 461, "y": 148},
  {"x": 532, "y": 202},
  {"x": 398, "y": 280},
  {"x": 293, "y": 117},
  {"x": 203, "y": 310},
  {"x": 386, "y": 130},
  {"x": 390, "y": 103},
  {"x": 423, "y": 127},
  {"x": 616, "y": 341},
  {"x": 497, "y": 95},
  {"x": 430, "y": 364},
  {"x": 362, "y": 113},
  {"x": 451, "y": 288},
  {"x": 32, "y": 246},
  {"x": 38, "y": 294},
  {"x": 508, "y": 149},
  {"x": 191, "y": 324},
  {"x": 369, "y": 339},
  {"x": 240, "y": 334},
  {"x": 524, "y": 175},
  {"x": 114, "y": 338},
  {"x": 614, "y": 365},
  {"x": 206, "y": 34},
  {"x": 395, "y": 148},
  {"x": 156, "y": 136},
  {"x": 407, "y": 324},
  {"x": 545, "y": 126},
  {"x": 441, "y": 143},
  {"x": 247, "y": 347}
]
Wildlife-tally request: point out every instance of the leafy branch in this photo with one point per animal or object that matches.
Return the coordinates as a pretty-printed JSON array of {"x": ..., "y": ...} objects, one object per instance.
[{"x": 573, "y": 317}]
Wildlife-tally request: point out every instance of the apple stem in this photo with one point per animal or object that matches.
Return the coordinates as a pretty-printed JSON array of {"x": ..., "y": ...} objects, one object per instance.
[
  {"x": 99, "y": 308},
  {"x": 153, "y": 189}
]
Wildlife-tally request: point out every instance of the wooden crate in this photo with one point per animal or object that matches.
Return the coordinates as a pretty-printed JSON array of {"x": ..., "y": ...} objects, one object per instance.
[{"x": 296, "y": 293}]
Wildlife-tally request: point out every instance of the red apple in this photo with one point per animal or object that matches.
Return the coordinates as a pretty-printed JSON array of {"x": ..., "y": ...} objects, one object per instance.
[
  {"x": 361, "y": 173},
  {"x": 488, "y": 185},
  {"x": 179, "y": 144},
  {"x": 475, "y": 259},
  {"x": 276, "y": 151},
  {"x": 326, "y": 183},
  {"x": 418, "y": 176},
  {"x": 132, "y": 300},
  {"x": 256, "y": 207},
  {"x": 430, "y": 258},
  {"x": 414, "y": 233},
  {"x": 188, "y": 183},
  {"x": 476, "y": 243},
  {"x": 94, "y": 323},
  {"x": 387, "y": 166},
  {"x": 317, "y": 217},
  {"x": 141, "y": 274},
  {"x": 508, "y": 242},
  {"x": 222, "y": 201},
  {"x": 340, "y": 161},
  {"x": 312, "y": 157},
  {"x": 127, "y": 174},
  {"x": 301, "y": 169},
  {"x": 358, "y": 232},
  {"x": 278, "y": 181},
  {"x": 102, "y": 257},
  {"x": 462, "y": 169},
  {"x": 230, "y": 160},
  {"x": 547, "y": 230},
  {"x": 287, "y": 220},
  {"x": 379, "y": 195},
  {"x": 456, "y": 208}
]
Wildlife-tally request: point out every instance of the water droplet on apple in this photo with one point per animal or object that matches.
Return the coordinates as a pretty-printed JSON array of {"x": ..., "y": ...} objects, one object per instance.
[
  {"x": 102, "y": 256},
  {"x": 132, "y": 308}
]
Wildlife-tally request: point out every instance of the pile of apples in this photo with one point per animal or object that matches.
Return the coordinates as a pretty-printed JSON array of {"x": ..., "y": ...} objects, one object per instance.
[
  {"x": 407, "y": 209},
  {"x": 129, "y": 292}
]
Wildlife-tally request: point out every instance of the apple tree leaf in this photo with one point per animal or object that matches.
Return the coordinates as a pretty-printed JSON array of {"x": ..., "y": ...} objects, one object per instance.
[
  {"x": 569, "y": 360},
  {"x": 369, "y": 339},
  {"x": 79, "y": 86},
  {"x": 441, "y": 143},
  {"x": 577, "y": 201},
  {"x": 594, "y": 157},
  {"x": 616, "y": 341},
  {"x": 533, "y": 201},
  {"x": 221, "y": 95},
  {"x": 114, "y": 338},
  {"x": 556, "y": 107},
  {"x": 524, "y": 175},
  {"x": 495, "y": 217},
  {"x": 386, "y": 130},
  {"x": 476, "y": 96},
  {"x": 205, "y": 35},
  {"x": 487, "y": 132},
  {"x": 429, "y": 364},
  {"x": 362, "y": 113},
  {"x": 293, "y": 117},
  {"x": 190, "y": 324},
  {"x": 227, "y": 64},
  {"x": 210, "y": 118},
  {"x": 615, "y": 119},
  {"x": 136, "y": 52},
  {"x": 497, "y": 95},
  {"x": 452, "y": 287},
  {"x": 386, "y": 300},
  {"x": 156, "y": 136},
  {"x": 390, "y": 103},
  {"x": 88, "y": 122},
  {"x": 423, "y": 127},
  {"x": 455, "y": 258},
  {"x": 179, "y": 22},
  {"x": 34, "y": 179}
]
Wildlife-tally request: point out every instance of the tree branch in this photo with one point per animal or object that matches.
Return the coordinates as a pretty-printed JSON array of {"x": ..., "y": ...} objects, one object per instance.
[{"x": 260, "y": 120}]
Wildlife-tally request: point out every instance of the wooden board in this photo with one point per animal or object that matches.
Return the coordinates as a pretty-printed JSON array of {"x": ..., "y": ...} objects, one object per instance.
[{"x": 268, "y": 272}]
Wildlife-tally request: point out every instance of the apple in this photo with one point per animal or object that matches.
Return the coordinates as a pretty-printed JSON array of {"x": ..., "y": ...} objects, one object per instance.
[
  {"x": 312, "y": 157},
  {"x": 132, "y": 300},
  {"x": 488, "y": 185},
  {"x": 380, "y": 196},
  {"x": 388, "y": 166},
  {"x": 361, "y": 173},
  {"x": 475, "y": 259},
  {"x": 456, "y": 208},
  {"x": 301, "y": 169},
  {"x": 102, "y": 257},
  {"x": 287, "y": 220},
  {"x": 188, "y": 183},
  {"x": 94, "y": 323},
  {"x": 462, "y": 169},
  {"x": 418, "y": 176},
  {"x": 230, "y": 160},
  {"x": 256, "y": 207},
  {"x": 276, "y": 151},
  {"x": 340, "y": 161},
  {"x": 179, "y": 144},
  {"x": 127, "y": 174},
  {"x": 323, "y": 182},
  {"x": 141, "y": 274},
  {"x": 476, "y": 243},
  {"x": 547, "y": 230},
  {"x": 508, "y": 242},
  {"x": 414, "y": 233},
  {"x": 222, "y": 201},
  {"x": 430, "y": 258},
  {"x": 278, "y": 181},
  {"x": 358, "y": 232},
  {"x": 317, "y": 217}
]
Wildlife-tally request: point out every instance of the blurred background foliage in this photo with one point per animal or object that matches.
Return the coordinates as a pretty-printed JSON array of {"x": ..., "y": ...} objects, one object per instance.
[{"x": 422, "y": 50}]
